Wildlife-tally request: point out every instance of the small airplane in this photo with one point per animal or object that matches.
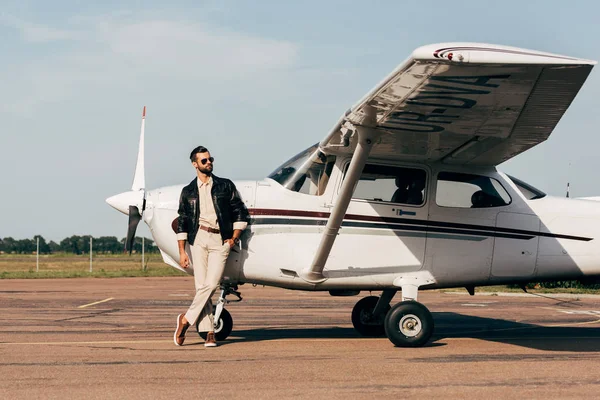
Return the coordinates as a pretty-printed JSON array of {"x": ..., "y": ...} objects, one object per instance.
[{"x": 403, "y": 193}]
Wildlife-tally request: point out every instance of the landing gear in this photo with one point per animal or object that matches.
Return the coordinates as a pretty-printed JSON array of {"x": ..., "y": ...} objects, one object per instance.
[
  {"x": 368, "y": 314},
  {"x": 223, "y": 323},
  {"x": 223, "y": 327},
  {"x": 365, "y": 322},
  {"x": 408, "y": 324}
]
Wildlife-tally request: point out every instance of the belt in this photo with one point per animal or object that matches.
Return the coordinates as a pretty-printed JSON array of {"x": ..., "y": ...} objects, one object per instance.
[{"x": 211, "y": 230}]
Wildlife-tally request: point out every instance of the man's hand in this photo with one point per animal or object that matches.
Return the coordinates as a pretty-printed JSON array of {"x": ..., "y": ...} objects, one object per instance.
[
  {"x": 184, "y": 260},
  {"x": 230, "y": 242}
]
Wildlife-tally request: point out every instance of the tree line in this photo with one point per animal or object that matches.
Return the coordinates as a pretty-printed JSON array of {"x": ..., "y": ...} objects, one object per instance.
[{"x": 75, "y": 245}]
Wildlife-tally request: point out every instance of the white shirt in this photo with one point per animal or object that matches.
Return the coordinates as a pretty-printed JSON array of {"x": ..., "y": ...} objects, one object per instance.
[{"x": 208, "y": 215}]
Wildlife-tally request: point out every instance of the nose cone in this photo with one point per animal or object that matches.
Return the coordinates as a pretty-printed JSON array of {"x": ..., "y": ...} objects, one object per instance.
[{"x": 122, "y": 201}]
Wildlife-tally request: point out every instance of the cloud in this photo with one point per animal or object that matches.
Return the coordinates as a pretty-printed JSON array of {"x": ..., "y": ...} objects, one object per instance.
[
  {"x": 194, "y": 49},
  {"x": 35, "y": 33},
  {"x": 124, "y": 51}
]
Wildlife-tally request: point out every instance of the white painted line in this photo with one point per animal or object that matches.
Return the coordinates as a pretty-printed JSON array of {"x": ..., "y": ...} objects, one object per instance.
[
  {"x": 97, "y": 342},
  {"x": 474, "y": 305},
  {"x": 235, "y": 339},
  {"x": 566, "y": 325},
  {"x": 581, "y": 312},
  {"x": 96, "y": 302},
  {"x": 310, "y": 340}
]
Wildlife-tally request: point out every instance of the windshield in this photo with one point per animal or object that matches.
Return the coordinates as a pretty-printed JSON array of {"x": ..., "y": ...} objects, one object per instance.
[
  {"x": 528, "y": 191},
  {"x": 308, "y": 172}
]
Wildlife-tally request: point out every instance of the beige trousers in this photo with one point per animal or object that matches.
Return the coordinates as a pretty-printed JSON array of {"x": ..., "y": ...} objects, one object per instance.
[{"x": 208, "y": 256}]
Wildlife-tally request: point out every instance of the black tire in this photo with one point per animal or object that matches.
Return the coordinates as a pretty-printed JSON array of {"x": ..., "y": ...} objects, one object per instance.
[
  {"x": 409, "y": 324},
  {"x": 223, "y": 329},
  {"x": 363, "y": 319}
]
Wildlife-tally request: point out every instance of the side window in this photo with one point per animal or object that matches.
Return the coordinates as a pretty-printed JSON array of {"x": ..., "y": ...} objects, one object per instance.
[
  {"x": 391, "y": 184},
  {"x": 469, "y": 191}
]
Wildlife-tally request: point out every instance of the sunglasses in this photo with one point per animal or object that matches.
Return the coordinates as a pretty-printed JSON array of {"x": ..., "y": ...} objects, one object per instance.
[{"x": 204, "y": 160}]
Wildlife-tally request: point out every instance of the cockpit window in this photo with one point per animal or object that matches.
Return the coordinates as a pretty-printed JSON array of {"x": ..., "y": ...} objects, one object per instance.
[
  {"x": 308, "y": 172},
  {"x": 528, "y": 191}
]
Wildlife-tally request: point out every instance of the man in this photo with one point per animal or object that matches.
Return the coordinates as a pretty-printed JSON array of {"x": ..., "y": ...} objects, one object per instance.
[{"x": 211, "y": 219}]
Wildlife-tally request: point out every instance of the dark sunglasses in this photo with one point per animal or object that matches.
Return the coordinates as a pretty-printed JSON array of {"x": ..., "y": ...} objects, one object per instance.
[{"x": 204, "y": 160}]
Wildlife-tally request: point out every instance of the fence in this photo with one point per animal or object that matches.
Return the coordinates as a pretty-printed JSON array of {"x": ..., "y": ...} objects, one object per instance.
[{"x": 89, "y": 264}]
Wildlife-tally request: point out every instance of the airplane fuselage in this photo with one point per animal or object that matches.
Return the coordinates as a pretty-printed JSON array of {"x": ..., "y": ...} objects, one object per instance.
[{"x": 441, "y": 240}]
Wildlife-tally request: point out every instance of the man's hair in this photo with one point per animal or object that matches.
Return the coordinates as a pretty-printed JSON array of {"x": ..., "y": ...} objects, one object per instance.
[{"x": 199, "y": 149}]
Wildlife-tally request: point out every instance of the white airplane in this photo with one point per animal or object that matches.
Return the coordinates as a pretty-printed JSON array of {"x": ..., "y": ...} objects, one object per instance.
[{"x": 403, "y": 193}]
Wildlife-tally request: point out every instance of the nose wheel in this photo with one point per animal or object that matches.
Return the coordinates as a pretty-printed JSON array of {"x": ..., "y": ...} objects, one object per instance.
[
  {"x": 223, "y": 322},
  {"x": 223, "y": 327}
]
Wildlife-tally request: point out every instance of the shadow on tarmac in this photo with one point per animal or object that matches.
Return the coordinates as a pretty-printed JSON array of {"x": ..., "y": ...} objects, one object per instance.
[
  {"x": 452, "y": 325},
  {"x": 549, "y": 338}
]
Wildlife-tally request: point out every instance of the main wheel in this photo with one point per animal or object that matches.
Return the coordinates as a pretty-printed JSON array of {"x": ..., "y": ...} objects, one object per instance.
[
  {"x": 223, "y": 328},
  {"x": 363, "y": 319},
  {"x": 409, "y": 324}
]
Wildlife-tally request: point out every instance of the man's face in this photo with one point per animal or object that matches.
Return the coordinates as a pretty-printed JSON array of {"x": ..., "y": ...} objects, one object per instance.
[{"x": 203, "y": 163}]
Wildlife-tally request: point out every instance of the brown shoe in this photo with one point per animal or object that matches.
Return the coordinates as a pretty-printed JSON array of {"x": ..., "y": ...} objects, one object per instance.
[
  {"x": 210, "y": 340},
  {"x": 179, "y": 335}
]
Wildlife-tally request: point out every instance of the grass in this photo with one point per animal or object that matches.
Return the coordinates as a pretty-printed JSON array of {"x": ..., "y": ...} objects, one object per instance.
[{"x": 63, "y": 265}]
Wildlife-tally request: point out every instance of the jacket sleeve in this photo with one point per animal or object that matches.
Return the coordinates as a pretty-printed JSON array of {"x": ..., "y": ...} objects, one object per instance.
[
  {"x": 182, "y": 220},
  {"x": 239, "y": 213}
]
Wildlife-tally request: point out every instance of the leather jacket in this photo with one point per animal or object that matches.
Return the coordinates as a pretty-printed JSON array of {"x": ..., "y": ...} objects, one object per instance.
[{"x": 229, "y": 208}]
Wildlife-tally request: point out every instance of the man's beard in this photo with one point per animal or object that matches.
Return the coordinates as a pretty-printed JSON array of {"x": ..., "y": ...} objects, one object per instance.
[{"x": 205, "y": 171}]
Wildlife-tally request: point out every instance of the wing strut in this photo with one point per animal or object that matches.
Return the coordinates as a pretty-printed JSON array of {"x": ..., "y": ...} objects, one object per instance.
[{"x": 366, "y": 138}]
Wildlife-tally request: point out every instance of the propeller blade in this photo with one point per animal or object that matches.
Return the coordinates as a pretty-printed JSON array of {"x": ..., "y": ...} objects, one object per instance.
[
  {"x": 134, "y": 219},
  {"x": 139, "y": 178}
]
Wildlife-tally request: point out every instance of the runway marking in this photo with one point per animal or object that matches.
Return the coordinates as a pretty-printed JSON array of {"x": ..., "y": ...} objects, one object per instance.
[
  {"x": 95, "y": 342},
  {"x": 96, "y": 302},
  {"x": 566, "y": 325},
  {"x": 593, "y": 313},
  {"x": 474, "y": 305},
  {"x": 581, "y": 312},
  {"x": 483, "y": 330},
  {"x": 242, "y": 341}
]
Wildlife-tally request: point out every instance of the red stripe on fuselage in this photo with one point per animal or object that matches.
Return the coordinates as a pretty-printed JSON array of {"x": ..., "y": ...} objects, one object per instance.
[{"x": 316, "y": 214}]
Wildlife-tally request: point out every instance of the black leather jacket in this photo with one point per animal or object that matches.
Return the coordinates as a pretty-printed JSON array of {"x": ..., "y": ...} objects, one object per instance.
[{"x": 228, "y": 205}]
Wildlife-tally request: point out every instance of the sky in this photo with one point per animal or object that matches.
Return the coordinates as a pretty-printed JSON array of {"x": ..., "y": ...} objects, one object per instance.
[{"x": 255, "y": 82}]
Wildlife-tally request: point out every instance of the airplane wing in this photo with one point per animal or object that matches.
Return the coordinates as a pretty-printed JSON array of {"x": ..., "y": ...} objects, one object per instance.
[
  {"x": 465, "y": 103},
  {"x": 458, "y": 103}
]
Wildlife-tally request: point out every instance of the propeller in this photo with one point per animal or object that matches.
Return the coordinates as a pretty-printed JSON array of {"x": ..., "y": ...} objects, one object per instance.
[
  {"x": 139, "y": 186},
  {"x": 134, "y": 219}
]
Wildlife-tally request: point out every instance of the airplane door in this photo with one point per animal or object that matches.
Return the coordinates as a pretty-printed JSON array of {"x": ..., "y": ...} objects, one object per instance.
[
  {"x": 462, "y": 221},
  {"x": 515, "y": 257},
  {"x": 384, "y": 228}
]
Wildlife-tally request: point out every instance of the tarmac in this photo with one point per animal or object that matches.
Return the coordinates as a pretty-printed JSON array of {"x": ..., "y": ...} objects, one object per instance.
[{"x": 113, "y": 339}]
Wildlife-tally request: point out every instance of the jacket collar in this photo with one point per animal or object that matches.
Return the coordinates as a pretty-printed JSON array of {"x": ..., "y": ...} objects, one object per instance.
[
  {"x": 209, "y": 183},
  {"x": 193, "y": 186}
]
